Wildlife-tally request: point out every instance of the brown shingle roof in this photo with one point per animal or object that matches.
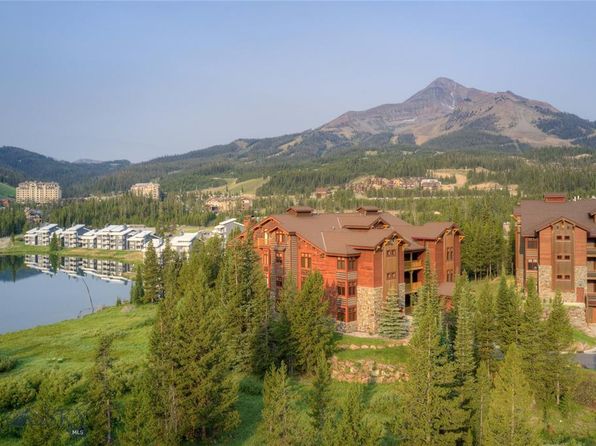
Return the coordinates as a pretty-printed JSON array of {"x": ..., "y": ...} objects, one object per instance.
[{"x": 536, "y": 214}]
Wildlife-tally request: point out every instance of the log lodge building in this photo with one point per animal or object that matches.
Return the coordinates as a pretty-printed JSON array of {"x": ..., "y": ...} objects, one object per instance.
[
  {"x": 555, "y": 243},
  {"x": 361, "y": 256}
]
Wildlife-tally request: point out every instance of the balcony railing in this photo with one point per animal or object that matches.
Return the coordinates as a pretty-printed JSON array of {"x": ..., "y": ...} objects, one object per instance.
[
  {"x": 412, "y": 287},
  {"x": 591, "y": 251},
  {"x": 412, "y": 264},
  {"x": 591, "y": 274},
  {"x": 591, "y": 299},
  {"x": 261, "y": 243}
]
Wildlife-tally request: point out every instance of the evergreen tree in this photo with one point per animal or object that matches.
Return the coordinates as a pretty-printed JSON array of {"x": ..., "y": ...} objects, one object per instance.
[
  {"x": 54, "y": 243},
  {"x": 206, "y": 387},
  {"x": 557, "y": 370},
  {"x": 279, "y": 418},
  {"x": 312, "y": 327},
  {"x": 531, "y": 336},
  {"x": 138, "y": 421},
  {"x": 102, "y": 407},
  {"x": 151, "y": 275},
  {"x": 137, "y": 291},
  {"x": 281, "y": 329},
  {"x": 45, "y": 424},
  {"x": 510, "y": 413},
  {"x": 433, "y": 415},
  {"x": 170, "y": 268},
  {"x": 485, "y": 328},
  {"x": 481, "y": 402},
  {"x": 319, "y": 397},
  {"x": 507, "y": 314},
  {"x": 392, "y": 321},
  {"x": 350, "y": 426}
]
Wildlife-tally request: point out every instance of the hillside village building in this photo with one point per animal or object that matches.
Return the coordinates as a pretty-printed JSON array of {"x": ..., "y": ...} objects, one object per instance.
[
  {"x": 140, "y": 240},
  {"x": 555, "y": 243},
  {"x": 226, "y": 227},
  {"x": 361, "y": 256},
  {"x": 42, "y": 236},
  {"x": 150, "y": 190},
  {"x": 183, "y": 243},
  {"x": 71, "y": 237},
  {"x": 38, "y": 192},
  {"x": 113, "y": 237}
]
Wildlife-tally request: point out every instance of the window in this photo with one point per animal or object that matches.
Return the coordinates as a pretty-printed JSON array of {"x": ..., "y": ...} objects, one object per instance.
[
  {"x": 351, "y": 289},
  {"x": 341, "y": 263},
  {"x": 532, "y": 243},
  {"x": 279, "y": 258},
  {"x": 559, "y": 237},
  {"x": 352, "y": 264},
  {"x": 563, "y": 257},
  {"x": 351, "y": 314},
  {"x": 391, "y": 276},
  {"x": 306, "y": 261},
  {"x": 566, "y": 237},
  {"x": 449, "y": 275},
  {"x": 341, "y": 289},
  {"x": 341, "y": 314},
  {"x": 279, "y": 282},
  {"x": 266, "y": 259},
  {"x": 449, "y": 253},
  {"x": 532, "y": 264},
  {"x": 280, "y": 237},
  {"x": 391, "y": 253}
]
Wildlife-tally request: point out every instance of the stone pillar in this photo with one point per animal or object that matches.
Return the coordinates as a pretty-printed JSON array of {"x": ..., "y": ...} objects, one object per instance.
[
  {"x": 369, "y": 303},
  {"x": 545, "y": 276}
]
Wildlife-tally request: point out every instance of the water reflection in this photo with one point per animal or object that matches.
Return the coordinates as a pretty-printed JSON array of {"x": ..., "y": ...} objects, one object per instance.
[{"x": 109, "y": 270}]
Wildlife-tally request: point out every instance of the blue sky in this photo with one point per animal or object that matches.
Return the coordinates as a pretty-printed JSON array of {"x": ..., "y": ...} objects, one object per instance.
[{"x": 140, "y": 80}]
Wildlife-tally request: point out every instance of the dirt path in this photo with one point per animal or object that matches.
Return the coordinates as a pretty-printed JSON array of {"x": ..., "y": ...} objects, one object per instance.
[{"x": 4, "y": 242}]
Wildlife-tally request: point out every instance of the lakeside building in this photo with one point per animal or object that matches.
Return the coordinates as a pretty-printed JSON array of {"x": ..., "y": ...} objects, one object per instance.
[
  {"x": 42, "y": 236},
  {"x": 38, "y": 192},
  {"x": 555, "y": 243},
  {"x": 183, "y": 243},
  {"x": 89, "y": 239},
  {"x": 150, "y": 190},
  {"x": 114, "y": 237},
  {"x": 140, "y": 240},
  {"x": 226, "y": 227},
  {"x": 361, "y": 256},
  {"x": 71, "y": 237}
]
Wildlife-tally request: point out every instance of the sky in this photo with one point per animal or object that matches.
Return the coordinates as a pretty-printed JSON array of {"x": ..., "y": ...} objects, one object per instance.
[{"x": 141, "y": 80}]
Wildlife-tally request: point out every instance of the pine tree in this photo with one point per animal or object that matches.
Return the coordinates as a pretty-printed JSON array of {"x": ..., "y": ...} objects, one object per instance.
[
  {"x": 137, "y": 292},
  {"x": 510, "y": 414},
  {"x": 350, "y": 426},
  {"x": 102, "y": 407},
  {"x": 151, "y": 275},
  {"x": 138, "y": 421},
  {"x": 312, "y": 327},
  {"x": 45, "y": 424},
  {"x": 557, "y": 371},
  {"x": 392, "y": 321},
  {"x": 507, "y": 314},
  {"x": 485, "y": 328},
  {"x": 279, "y": 417},
  {"x": 206, "y": 387},
  {"x": 281, "y": 329},
  {"x": 319, "y": 398},
  {"x": 170, "y": 268},
  {"x": 54, "y": 243},
  {"x": 480, "y": 403},
  {"x": 433, "y": 416},
  {"x": 531, "y": 336}
]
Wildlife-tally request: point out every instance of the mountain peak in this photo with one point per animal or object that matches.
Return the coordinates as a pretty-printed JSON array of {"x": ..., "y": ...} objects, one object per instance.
[{"x": 444, "y": 82}]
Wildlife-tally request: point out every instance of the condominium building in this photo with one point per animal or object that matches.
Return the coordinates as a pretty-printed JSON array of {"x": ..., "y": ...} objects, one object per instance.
[
  {"x": 42, "y": 236},
  {"x": 555, "y": 244},
  {"x": 71, "y": 237},
  {"x": 114, "y": 237},
  {"x": 140, "y": 241},
  {"x": 361, "y": 255},
  {"x": 89, "y": 239},
  {"x": 38, "y": 192},
  {"x": 226, "y": 227},
  {"x": 150, "y": 190},
  {"x": 183, "y": 243}
]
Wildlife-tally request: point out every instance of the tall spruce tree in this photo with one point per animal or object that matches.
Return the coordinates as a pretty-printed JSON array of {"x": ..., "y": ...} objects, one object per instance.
[
  {"x": 485, "y": 328},
  {"x": 480, "y": 404},
  {"x": 392, "y": 321},
  {"x": 151, "y": 275},
  {"x": 531, "y": 336},
  {"x": 281, "y": 329},
  {"x": 139, "y": 428},
  {"x": 507, "y": 314},
  {"x": 206, "y": 387},
  {"x": 170, "y": 268},
  {"x": 557, "y": 371},
  {"x": 511, "y": 410},
  {"x": 433, "y": 415},
  {"x": 312, "y": 327},
  {"x": 279, "y": 418},
  {"x": 319, "y": 397},
  {"x": 137, "y": 291},
  {"x": 45, "y": 423},
  {"x": 102, "y": 410}
]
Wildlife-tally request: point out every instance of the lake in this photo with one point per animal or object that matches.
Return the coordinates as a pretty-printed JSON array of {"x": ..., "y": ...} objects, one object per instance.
[{"x": 41, "y": 289}]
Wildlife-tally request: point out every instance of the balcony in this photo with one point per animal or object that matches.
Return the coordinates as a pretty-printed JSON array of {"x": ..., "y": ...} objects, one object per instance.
[
  {"x": 413, "y": 287},
  {"x": 591, "y": 274},
  {"x": 591, "y": 299},
  {"x": 261, "y": 243},
  {"x": 591, "y": 251},
  {"x": 412, "y": 264}
]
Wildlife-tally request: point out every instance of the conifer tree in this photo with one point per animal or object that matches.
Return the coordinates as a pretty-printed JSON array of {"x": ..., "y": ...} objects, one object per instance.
[
  {"x": 510, "y": 414},
  {"x": 54, "y": 243},
  {"x": 392, "y": 321},
  {"x": 507, "y": 314},
  {"x": 531, "y": 336},
  {"x": 557, "y": 371},
  {"x": 204, "y": 380},
  {"x": 312, "y": 327},
  {"x": 480, "y": 403},
  {"x": 350, "y": 426},
  {"x": 281, "y": 329},
  {"x": 138, "y": 420},
  {"x": 485, "y": 328},
  {"x": 319, "y": 398},
  {"x": 279, "y": 418},
  {"x": 151, "y": 275},
  {"x": 102, "y": 407},
  {"x": 45, "y": 424},
  {"x": 433, "y": 415},
  {"x": 170, "y": 268},
  {"x": 137, "y": 292}
]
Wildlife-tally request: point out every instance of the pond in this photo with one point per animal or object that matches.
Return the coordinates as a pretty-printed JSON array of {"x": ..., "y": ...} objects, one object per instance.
[{"x": 41, "y": 289}]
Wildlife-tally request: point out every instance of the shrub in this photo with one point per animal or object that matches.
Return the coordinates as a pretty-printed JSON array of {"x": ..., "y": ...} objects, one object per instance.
[{"x": 7, "y": 363}]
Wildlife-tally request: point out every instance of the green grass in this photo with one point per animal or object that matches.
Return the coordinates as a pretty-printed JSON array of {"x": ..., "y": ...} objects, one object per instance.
[
  {"x": 580, "y": 336},
  {"x": 7, "y": 191},
  {"x": 344, "y": 339},
  {"x": 248, "y": 187},
  {"x": 392, "y": 355}
]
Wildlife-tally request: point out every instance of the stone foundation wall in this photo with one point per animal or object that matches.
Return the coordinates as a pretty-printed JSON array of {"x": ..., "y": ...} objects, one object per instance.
[
  {"x": 401, "y": 292},
  {"x": 545, "y": 283},
  {"x": 369, "y": 303},
  {"x": 366, "y": 371}
]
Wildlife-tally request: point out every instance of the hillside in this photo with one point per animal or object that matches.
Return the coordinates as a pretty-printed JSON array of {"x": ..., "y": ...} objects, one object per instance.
[{"x": 6, "y": 191}]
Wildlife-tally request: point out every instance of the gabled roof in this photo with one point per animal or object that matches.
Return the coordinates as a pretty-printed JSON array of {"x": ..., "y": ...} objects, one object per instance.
[{"x": 537, "y": 214}]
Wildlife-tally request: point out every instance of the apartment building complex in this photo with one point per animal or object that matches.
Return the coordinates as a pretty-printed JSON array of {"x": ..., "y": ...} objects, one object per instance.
[
  {"x": 42, "y": 236},
  {"x": 361, "y": 255},
  {"x": 555, "y": 243},
  {"x": 150, "y": 190},
  {"x": 71, "y": 237},
  {"x": 38, "y": 192}
]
